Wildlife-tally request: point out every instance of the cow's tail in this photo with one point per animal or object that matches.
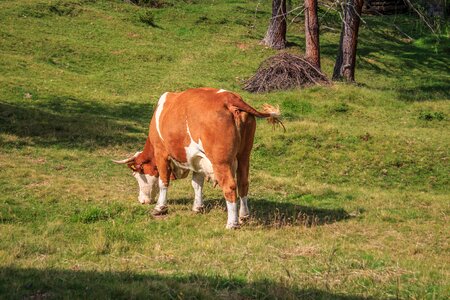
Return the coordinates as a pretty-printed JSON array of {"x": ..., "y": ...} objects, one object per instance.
[{"x": 270, "y": 112}]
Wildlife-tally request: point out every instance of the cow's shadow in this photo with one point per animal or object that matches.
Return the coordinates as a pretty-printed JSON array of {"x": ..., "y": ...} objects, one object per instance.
[{"x": 269, "y": 213}]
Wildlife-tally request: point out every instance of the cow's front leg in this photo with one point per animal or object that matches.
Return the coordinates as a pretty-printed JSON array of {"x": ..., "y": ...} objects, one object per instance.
[
  {"x": 161, "y": 206},
  {"x": 197, "y": 184},
  {"x": 163, "y": 182}
]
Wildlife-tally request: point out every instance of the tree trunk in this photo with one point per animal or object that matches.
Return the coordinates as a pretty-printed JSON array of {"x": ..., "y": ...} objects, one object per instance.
[
  {"x": 312, "y": 51},
  {"x": 346, "y": 59},
  {"x": 276, "y": 33}
]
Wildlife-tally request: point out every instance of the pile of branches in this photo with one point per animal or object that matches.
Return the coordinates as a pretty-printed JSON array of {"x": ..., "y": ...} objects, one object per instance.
[{"x": 282, "y": 72}]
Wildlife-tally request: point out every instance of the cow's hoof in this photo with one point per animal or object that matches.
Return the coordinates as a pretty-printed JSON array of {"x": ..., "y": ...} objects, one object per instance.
[
  {"x": 199, "y": 209},
  {"x": 232, "y": 226},
  {"x": 144, "y": 201},
  {"x": 160, "y": 211},
  {"x": 244, "y": 219}
]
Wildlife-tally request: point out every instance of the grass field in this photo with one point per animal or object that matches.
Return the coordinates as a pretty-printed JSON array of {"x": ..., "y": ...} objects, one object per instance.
[{"x": 352, "y": 202}]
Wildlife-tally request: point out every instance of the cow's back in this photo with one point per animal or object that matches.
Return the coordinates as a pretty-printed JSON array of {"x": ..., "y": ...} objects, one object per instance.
[{"x": 198, "y": 115}]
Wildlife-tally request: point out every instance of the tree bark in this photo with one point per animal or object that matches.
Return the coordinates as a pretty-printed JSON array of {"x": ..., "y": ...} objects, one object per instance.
[
  {"x": 276, "y": 33},
  {"x": 346, "y": 59},
  {"x": 312, "y": 51}
]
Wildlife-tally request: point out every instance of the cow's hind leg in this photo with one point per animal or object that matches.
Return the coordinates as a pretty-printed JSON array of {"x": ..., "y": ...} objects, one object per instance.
[
  {"x": 243, "y": 157},
  {"x": 197, "y": 184},
  {"x": 225, "y": 178},
  {"x": 242, "y": 181}
]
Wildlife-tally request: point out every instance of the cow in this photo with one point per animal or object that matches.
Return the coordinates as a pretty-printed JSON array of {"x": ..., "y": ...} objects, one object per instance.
[{"x": 204, "y": 130}]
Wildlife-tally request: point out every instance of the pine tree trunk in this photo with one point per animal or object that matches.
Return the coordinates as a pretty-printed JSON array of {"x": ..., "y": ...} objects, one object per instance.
[
  {"x": 276, "y": 33},
  {"x": 312, "y": 51},
  {"x": 346, "y": 59}
]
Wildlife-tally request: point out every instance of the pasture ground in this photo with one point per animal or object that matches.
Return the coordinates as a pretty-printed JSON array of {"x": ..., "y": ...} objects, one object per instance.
[{"x": 351, "y": 202}]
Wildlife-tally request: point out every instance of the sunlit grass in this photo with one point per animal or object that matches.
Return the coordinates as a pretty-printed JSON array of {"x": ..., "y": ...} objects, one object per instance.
[{"x": 350, "y": 202}]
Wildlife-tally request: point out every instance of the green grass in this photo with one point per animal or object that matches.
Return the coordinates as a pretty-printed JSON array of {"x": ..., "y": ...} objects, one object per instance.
[{"x": 351, "y": 202}]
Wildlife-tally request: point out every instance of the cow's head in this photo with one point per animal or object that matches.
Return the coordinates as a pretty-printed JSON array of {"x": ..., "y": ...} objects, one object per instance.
[{"x": 146, "y": 174}]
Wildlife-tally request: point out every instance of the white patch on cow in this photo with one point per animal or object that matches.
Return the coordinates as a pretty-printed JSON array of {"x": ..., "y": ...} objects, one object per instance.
[
  {"x": 148, "y": 187},
  {"x": 159, "y": 110},
  {"x": 196, "y": 159},
  {"x": 243, "y": 210},
  {"x": 197, "y": 184},
  {"x": 205, "y": 167},
  {"x": 232, "y": 221},
  {"x": 194, "y": 149},
  {"x": 221, "y": 91},
  {"x": 162, "y": 199}
]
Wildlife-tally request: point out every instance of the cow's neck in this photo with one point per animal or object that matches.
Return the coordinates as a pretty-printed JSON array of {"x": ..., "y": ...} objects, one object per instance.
[
  {"x": 148, "y": 152},
  {"x": 147, "y": 157}
]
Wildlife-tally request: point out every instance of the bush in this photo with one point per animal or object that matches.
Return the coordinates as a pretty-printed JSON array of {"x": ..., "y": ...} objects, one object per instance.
[
  {"x": 149, "y": 3},
  {"x": 431, "y": 115},
  {"x": 147, "y": 17},
  {"x": 64, "y": 8},
  {"x": 340, "y": 108}
]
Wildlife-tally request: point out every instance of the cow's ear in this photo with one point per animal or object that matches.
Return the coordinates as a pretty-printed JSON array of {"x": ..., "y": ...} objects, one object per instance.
[{"x": 132, "y": 166}]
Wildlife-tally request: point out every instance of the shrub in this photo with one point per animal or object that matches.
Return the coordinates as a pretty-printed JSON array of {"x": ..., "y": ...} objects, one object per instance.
[
  {"x": 149, "y": 3},
  {"x": 431, "y": 115},
  {"x": 340, "y": 108},
  {"x": 64, "y": 8},
  {"x": 147, "y": 17}
]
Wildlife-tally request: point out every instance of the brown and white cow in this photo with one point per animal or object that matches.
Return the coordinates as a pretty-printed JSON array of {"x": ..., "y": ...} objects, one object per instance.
[{"x": 207, "y": 131}]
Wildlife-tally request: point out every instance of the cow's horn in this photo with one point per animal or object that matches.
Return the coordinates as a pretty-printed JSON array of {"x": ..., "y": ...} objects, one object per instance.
[{"x": 127, "y": 160}]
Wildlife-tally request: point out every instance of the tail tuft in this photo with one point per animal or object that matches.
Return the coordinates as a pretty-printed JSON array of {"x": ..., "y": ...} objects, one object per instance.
[{"x": 275, "y": 115}]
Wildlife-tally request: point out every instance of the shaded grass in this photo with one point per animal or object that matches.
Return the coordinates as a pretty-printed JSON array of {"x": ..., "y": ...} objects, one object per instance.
[
  {"x": 351, "y": 202},
  {"x": 102, "y": 285},
  {"x": 50, "y": 121}
]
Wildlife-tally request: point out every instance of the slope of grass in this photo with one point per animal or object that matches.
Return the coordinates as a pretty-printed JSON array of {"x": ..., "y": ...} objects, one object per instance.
[{"x": 351, "y": 202}]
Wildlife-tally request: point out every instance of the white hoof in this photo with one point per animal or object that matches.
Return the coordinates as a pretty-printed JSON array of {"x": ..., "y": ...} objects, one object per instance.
[
  {"x": 198, "y": 209},
  {"x": 160, "y": 211},
  {"x": 144, "y": 200},
  {"x": 232, "y": 226},
  {"x": 243, "y": 219}
]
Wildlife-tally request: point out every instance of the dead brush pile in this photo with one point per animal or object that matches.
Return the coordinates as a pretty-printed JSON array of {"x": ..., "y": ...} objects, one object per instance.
[{"x": 282, "y": 72}]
